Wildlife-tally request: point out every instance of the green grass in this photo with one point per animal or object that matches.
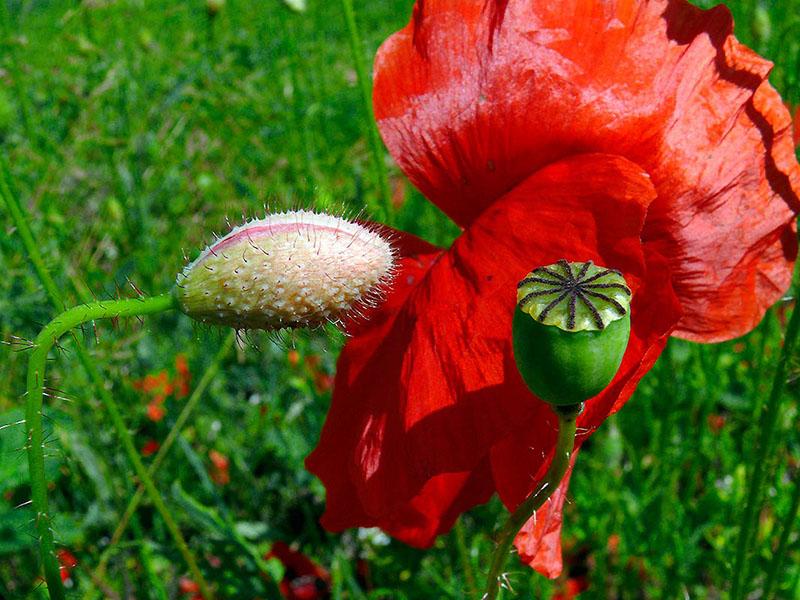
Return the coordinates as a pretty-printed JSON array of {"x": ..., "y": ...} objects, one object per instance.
[{"x": 147, "y": 124}]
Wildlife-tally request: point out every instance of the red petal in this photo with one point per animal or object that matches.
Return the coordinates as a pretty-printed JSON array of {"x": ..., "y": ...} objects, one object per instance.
[
  {"x": 296, "y": 562},
  {"x": 427, "y": 385},
  {"x": 474, "y": 96},
  {"x": 539, "y": 540}
]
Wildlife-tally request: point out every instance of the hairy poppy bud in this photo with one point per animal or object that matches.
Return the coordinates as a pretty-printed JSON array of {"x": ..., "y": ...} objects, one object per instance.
[
  {"x": 571, "y": 328},
  {"x": 293, "y": 269}
]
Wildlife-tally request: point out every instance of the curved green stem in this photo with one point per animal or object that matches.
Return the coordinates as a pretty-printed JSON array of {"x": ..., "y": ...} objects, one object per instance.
[
  {"x": 766, "y": 426},
  {"x": 33, "y": 417},
  {"x": 567, "y": 423},
  {"x": 375, "y": 145},
  {"x": 20, "y": 219}
]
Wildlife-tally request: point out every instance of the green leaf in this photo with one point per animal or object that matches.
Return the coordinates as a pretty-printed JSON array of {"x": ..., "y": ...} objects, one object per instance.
[{"x": 204, "y": 518}]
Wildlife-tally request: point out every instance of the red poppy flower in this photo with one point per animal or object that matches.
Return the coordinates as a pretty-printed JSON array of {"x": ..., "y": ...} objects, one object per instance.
[
  {"x": 303, "y": 578},
  {"x": 183, "y": 377},
  {"x": 220, "y": 468},
  {"x": 66, "y": 562},
  {"x": 638, "y": 134},
  {"x": 150, "y": 447},
  {"x": 571, "y": 588},
  {"x": 155, "y": 411},
  {"x": 186, "y": 586}
]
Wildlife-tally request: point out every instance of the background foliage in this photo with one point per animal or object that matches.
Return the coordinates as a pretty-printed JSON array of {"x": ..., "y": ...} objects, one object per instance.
[{"x": 134, "y": 128}]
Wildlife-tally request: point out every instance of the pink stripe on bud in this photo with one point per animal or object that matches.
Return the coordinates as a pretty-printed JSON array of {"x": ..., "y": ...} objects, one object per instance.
[{"x": 293, "y": 269}]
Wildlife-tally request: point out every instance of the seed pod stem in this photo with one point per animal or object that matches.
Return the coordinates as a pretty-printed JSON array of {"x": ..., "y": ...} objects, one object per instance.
[{"x": 567, "y": 425}]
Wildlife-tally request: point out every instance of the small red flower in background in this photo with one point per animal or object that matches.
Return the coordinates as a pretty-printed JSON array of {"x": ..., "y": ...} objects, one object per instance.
[
  {"x": 66, "y": 562},
  {"x": 613, "y": 544},
  {"x": 322, "y": 382},
  {"x": 155, "y": 411},
  {"x": 187, "y": 586},
  {"x": 220, "y": 468},
  {"x": 716, "y": 422},
  {"x": 159, "y": 387},
  {"x": 182, "y": 377},
  {"x": 150, "y": 447},
  {"x": 303, "y": 579},
  {"x": 638, "y": 134},
  {"x": 571, "y": 588}
]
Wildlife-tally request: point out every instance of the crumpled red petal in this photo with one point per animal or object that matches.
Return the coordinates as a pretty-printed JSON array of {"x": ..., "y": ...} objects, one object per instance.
[
  {"x": 539, "y": 541},
  {"x": 475, "y": 95},
  {"x": 427, "y": 385}
]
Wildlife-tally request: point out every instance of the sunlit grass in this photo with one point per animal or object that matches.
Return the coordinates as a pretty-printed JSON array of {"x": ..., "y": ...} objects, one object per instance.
[{"x": 131, "y": 130}]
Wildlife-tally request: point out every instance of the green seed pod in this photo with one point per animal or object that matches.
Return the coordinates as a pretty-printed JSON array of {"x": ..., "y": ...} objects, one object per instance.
[{"x": 570, "y": 330}]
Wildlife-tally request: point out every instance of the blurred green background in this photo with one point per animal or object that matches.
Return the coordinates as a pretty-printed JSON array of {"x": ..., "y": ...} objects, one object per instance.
[{"x": 132, "y": 130}]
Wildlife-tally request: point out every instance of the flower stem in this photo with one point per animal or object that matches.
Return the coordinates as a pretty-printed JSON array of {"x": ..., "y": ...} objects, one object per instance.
[
  {"x": 35, "y": 436},
  {"x": 567, "y": 423},
  {"x": 21, "y": 222},
  {"x": 766, "y": 426},
  {"x": 375, "y": 145}
]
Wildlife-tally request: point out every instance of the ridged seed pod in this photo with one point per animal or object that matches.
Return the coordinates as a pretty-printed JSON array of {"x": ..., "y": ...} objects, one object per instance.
[{"x": 570, "y": 330}]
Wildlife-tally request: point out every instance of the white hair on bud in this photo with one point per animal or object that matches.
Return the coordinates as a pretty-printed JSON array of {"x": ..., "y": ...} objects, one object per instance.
[{"x": 290, "y": 269}]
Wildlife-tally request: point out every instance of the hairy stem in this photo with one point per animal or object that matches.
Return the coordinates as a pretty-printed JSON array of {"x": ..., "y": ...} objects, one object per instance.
[
  {"x": 21, "y": 222},
  {"x": 62, "y": 324},
  {"x": 567, "y": 423},
  {"x": 375, "y": 145},
  {"x": 766, "y": 426}
]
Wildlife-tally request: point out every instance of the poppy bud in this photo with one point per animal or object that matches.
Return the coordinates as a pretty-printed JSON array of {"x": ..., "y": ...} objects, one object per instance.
[
  {"x": 293, "y": 269},
  {"x": 570, "y": 330}
]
